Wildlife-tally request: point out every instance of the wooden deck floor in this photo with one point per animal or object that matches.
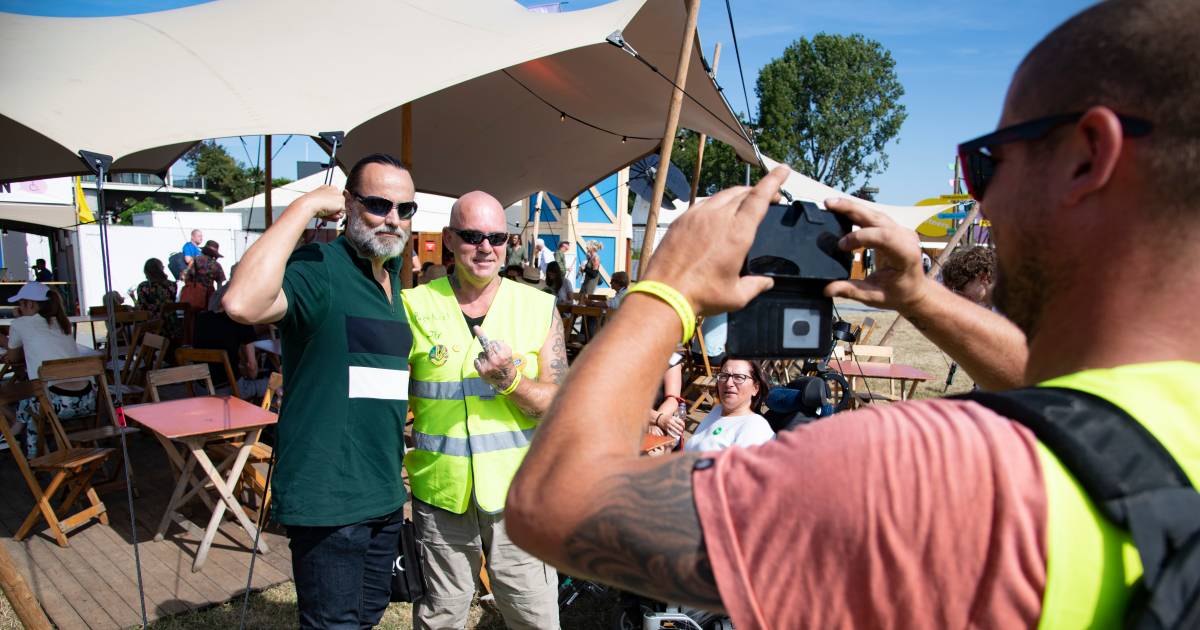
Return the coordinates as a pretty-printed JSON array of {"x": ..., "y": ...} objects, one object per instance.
[{"x": 93, "y": 583}]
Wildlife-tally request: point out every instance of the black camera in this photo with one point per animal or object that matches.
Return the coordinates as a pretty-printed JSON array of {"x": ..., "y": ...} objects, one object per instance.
[{"x": 797, "y": 245}]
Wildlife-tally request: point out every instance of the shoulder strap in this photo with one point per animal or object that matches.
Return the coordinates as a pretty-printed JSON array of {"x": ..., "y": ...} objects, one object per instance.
[{"x": 1132, "y": 479}]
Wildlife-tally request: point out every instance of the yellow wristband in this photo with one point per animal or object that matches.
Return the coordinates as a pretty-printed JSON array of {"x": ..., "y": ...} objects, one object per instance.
[
  {"x": 674, "y": 299},
  {"x": 512, "y": 387}
]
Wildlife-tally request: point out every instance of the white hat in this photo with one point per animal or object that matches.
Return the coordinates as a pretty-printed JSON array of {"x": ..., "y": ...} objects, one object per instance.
[{"x": 35, "y": 291}]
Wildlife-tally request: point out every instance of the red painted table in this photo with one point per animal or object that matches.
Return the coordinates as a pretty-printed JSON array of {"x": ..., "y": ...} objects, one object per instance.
[
  {"x": 193, "y": 423},
  {"x": 906, "y": 374}
]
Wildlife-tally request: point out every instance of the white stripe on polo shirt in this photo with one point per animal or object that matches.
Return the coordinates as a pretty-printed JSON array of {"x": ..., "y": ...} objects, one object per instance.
[{"x": 381, "y": 383}]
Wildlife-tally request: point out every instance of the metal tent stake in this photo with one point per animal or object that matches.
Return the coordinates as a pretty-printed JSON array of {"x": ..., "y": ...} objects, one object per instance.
[{"x": 101, "y": 165}]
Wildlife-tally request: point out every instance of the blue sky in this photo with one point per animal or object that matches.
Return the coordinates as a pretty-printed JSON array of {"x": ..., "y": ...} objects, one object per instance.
[{"x": 954, "y": 58}]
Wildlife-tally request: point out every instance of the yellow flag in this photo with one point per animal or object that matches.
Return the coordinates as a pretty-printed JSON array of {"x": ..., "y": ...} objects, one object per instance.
[{"x": 84, "y": 212}]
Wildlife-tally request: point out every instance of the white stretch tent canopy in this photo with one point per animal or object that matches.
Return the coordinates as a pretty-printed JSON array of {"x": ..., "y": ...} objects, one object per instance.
[
  {"x": 433, "y": 211},
  {"x": 476, "y": 125}
]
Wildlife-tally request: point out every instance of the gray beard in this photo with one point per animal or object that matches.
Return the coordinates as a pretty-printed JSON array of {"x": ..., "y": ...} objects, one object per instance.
[{"x": 368, "y": 244}]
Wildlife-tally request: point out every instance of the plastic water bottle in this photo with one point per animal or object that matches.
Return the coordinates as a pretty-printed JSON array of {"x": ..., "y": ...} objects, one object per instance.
[{"x": 682, "y": 414}]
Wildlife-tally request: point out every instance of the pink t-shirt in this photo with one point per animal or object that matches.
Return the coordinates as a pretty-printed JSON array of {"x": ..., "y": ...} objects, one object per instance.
[{"x": 915, "y": 515}]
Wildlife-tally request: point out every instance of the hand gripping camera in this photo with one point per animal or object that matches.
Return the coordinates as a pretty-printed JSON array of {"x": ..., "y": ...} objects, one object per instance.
[{"x": 797, "y": 245}]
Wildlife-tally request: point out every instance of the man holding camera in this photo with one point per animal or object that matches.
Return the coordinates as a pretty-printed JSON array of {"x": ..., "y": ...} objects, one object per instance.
[{"x": 933, "y": 513}]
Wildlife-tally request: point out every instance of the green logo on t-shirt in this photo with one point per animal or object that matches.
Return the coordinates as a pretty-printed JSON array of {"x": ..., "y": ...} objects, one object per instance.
[{"x": 717, "y": 431}]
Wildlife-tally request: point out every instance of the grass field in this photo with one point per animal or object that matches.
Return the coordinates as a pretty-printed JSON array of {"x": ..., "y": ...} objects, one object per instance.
[{"x": 275, "y": 608}]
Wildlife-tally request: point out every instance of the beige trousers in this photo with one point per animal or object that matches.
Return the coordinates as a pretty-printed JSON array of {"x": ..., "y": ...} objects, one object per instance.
[{"x": 526, "y": 588}]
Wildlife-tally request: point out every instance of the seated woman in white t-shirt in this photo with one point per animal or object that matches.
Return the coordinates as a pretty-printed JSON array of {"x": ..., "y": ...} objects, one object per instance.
[
  {"x": 741, "y": 388},
  {"x": 42, "y": 333}
]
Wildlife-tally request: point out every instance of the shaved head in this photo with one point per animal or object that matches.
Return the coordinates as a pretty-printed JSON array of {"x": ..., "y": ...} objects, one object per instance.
[
  {"x": 475, "y": 206},
  {"x": 1138, "y": 58}
]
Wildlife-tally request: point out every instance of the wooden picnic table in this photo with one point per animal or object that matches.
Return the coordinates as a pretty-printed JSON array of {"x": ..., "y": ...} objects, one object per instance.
[
  {"x": 906, "y": 374},
  {"x": 192, "y": 423}
]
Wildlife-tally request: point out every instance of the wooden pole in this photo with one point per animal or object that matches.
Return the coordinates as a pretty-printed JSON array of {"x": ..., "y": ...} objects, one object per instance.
[
  {"x": 958, "y": 235},
  {"x": 703, "y": 137},
  {"x": 406, "y": 267},
  {"x": 23, "y": 601},
  {"x": 270, "y": 216},
  {"x": 668, "y": 140}
]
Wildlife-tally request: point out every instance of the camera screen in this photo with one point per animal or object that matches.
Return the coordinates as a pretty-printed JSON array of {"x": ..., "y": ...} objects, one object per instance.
[{"x": 800, "y": 327}]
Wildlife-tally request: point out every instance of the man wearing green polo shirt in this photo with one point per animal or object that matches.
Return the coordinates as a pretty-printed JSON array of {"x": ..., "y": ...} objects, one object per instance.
[{"x": 346, "y": 342}]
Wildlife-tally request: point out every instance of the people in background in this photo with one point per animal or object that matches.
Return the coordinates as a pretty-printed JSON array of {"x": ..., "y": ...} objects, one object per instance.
[
  {"x": 736, "y": 421},
  {"x": 971, "y": 273},
  {"x": 542, "y": 256},
  {"x": 191, "y": 249},
  {"x": 41, "y": 332},
  {"x": 566, "y": 262},
  {"x": 620, "y": 284},
  {"x": 556, "y": 285},
  {"x": 155, "y": 292},
  {"x": 591, "y": 268},
  {"x": 516, "y": 256},
  {"x": 41, "y": 273}
]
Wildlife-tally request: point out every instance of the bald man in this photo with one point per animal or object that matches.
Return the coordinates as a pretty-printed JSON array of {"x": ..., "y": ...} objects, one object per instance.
[
  {"x": 931, "y": 513},
  {"x": 488, "y": 356}
]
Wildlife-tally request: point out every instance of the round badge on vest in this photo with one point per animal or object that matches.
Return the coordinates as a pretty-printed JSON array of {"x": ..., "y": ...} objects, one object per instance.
[{"x": 438, "y": 355}]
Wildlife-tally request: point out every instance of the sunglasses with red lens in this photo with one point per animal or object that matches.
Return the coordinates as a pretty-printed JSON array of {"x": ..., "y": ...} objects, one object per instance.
[
  {"x": 381, "y": 207},
  {"x": 979, "y": 163},
  {"x": 475, "y": 237}
]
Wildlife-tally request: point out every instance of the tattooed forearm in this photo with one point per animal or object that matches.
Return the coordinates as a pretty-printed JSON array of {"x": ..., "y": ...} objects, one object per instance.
[
  {"x": 645, "y": 536},
  {"x": 558, "y": 351}
]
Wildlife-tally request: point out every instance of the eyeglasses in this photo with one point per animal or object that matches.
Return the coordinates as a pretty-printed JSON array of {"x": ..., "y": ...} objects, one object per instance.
[
  {"x": 475, "y": 237},
  {"x": 979, "y": 163},
  {"x": 738, "y": 379},
  {"x": 381, "y": 207}
]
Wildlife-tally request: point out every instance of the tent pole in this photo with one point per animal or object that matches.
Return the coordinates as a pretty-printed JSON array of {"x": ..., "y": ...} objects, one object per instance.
[
  {"x": 668, "y": 140},
  {"x": 937, "y": 264},
  {"x": 269, "y": 217},
  {"x": 703, "y": 137},
  {"x": 25, "y": 604},
  {"x": 406, "y": 267}
]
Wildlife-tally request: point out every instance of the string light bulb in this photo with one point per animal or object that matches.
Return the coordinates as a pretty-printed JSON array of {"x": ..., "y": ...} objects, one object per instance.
[
  {"x": 623, "y": 139},
  {"x": 562, "y": 117}
]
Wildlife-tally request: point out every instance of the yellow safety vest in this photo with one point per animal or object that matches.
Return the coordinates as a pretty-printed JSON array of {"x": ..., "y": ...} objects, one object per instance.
[
  {"x": 1091, "y": 564},
  {"x": 466, "y": 436}
]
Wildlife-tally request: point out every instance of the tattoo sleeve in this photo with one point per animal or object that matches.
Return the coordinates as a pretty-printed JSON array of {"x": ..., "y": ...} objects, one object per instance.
[
  {"x": 558, "y": 351},
  {"x": 645, "y": 536}
]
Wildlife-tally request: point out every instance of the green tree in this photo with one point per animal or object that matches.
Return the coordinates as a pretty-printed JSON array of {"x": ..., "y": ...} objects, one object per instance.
[
  {"x": 224, "y": 176},
  {"x": 829, "y": 106},
  {"x": 721, "y": 169},
  {"x": 134, "y": 206}
]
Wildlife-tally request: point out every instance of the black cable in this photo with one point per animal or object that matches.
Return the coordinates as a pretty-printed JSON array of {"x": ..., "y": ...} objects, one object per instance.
[
  {"x": 564, "y": 115},
  {"x": 264, "y": 513},
  {"x": 738, "y": 54},
  {"x": 280, "y": 149},
  {"x": 120, "y": 419}
]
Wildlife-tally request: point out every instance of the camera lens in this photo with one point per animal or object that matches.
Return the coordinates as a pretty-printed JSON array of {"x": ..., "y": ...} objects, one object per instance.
[{"x": 800, "y": 328}]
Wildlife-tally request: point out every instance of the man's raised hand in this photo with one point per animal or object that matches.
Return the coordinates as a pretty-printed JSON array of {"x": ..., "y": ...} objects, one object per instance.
[{"x": 899, "y": 281}]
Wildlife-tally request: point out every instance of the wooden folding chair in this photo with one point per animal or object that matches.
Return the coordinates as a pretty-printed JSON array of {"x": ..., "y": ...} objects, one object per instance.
[
  {"x": 253, "y": 479},
  {"x": 183, "y": 374},
  {"x": 865, "y": 330},
  {"x": 150, "y": 354},
  {"x": 186, "y": 315},
  {"x": 71, "y": 469},
  {"x": 188, "y": 356},
  {"x": 864, "y": 353}
]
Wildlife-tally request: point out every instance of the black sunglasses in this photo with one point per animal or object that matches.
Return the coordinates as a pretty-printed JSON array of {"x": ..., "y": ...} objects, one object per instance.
[
  {"x": 475, "y": 237},
  {"x": 979, "y": 165},
  {"x": 381, "y": 207}
]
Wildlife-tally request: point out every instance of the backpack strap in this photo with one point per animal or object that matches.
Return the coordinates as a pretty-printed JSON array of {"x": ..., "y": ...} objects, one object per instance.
[{"x": 1132, "y": 479}]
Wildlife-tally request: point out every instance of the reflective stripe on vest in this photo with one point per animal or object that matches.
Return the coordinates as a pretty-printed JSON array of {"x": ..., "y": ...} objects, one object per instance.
[
  {"x": 1090, "y": 563},
  {"x": 452, "y": 390},
  {"x": 473, "y": 445},
  {"x": 469, "y": 440}
]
